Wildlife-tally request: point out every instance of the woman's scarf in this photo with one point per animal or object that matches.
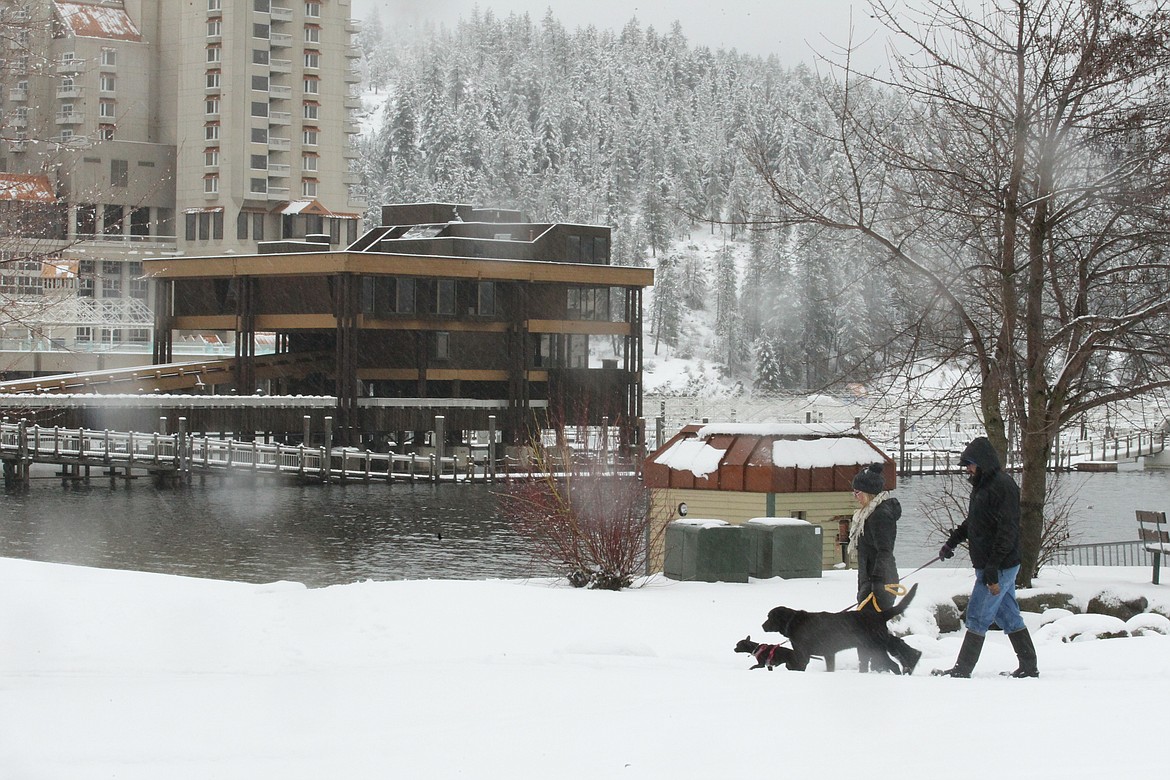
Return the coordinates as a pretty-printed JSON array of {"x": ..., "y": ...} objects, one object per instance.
[{"x": 857, "y": 526}]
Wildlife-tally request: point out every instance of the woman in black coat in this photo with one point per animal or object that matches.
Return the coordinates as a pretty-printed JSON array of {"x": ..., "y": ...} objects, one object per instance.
[{"x": 872, "y": 533}]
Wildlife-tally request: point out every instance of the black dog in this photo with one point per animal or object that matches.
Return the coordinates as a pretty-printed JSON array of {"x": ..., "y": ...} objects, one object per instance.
[
  {"x": 826, "y": 633},
  {"x": 765, "y": 655}
]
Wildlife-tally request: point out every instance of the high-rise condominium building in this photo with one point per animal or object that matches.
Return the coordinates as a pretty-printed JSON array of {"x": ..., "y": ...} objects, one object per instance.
[{"x": 137, "y": 128}]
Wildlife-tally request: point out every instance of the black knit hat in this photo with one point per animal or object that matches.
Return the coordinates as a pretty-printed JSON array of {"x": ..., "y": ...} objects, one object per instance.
[{"x": 870, "y": 480}]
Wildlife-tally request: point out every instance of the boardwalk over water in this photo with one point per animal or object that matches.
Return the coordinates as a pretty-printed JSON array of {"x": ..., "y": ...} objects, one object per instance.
[{"x": 180, "y": 456}]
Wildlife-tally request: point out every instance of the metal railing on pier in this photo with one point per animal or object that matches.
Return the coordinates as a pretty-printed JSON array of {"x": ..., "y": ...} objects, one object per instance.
[
  {"x": 1103, "y": 554},
  {"x": 1071, "y": 455}
]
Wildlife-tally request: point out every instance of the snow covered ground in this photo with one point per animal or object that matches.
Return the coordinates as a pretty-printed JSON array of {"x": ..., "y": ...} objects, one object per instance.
[{"x": 114, "y": 674}]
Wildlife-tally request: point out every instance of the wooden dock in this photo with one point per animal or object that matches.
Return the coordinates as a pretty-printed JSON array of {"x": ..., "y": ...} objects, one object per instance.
[{"x": 178, "y": 457}]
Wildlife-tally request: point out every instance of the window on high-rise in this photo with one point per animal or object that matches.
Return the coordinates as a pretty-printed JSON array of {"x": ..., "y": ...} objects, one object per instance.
[
  {"x": 106, "y": 109},
  {"x": 311, "y": 86},
  {"x": 214, "y": 54},
  {"x": 259, "y": 108},
  {"x": 312, "y": 59},
  {"x": 86, "y": 219},
  {"x": 311, "y": 111},
  {"x": 312, "y": 34},
  {"x": 212, "y": 79},
  {"x": 214, "y": 5},
  {"x": 211, "y": 184},
  {"x": 259, "y": 56},
  {"x": 260, "y": 83},
  {"x": 119, "y": 173},
  {"x": 309, "y": 188},
  {"x": 259, "y": 162},
  {"x": 313, "y": 9},
  {"x": 214, "y": 27},
  {"x": 211, "y": 157},
  {"x": 259, "y": 135},
  {"x": 211, "y": 106},
  {"x": 211, "y": 131},
  {"x": 107, "y": 82},
  {"x": 309, "y": 162},
  {"x": 260, "y": 30},
  {"x": 309, "y": 136},
  {"x": 109, "y": 58},
  {"x": 112, "y": 216},
  {"x": 261, "y": 6}
]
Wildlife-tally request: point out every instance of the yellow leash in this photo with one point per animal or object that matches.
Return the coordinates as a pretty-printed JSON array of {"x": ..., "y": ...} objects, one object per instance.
[{"x": 893, "y": 588}]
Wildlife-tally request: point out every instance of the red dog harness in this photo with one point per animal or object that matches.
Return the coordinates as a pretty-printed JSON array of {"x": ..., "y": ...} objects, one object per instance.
[{"x": 765, "y": 654}]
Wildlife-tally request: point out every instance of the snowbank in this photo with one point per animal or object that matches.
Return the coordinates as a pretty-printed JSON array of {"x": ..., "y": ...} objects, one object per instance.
[{"x": 137, "y": 676}]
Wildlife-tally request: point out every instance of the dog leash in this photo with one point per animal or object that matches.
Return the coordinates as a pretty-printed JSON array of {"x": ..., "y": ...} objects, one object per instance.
[{"x": 893, "y": 588}]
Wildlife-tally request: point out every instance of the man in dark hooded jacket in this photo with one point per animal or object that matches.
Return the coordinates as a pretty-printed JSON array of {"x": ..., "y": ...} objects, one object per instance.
[{"x": 992, "y": 533}]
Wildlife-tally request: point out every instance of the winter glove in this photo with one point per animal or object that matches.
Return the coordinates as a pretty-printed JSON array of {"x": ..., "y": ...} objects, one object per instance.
[
  {"x": 990, "y": 575},
  {"x": 946, "y": 551}
]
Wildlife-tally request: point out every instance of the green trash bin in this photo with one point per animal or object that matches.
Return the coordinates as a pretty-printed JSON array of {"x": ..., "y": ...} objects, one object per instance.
[
  {"x": 784, "y": 547},
  {"x": 705, "y": 550}
]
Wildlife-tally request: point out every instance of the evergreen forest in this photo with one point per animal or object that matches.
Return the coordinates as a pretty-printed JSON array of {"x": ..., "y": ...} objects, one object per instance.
[{"x": 645, "y": 133}]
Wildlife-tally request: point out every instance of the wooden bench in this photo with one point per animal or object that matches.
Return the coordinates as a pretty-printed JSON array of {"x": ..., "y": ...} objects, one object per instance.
[{"x": 1154, "y": 536}]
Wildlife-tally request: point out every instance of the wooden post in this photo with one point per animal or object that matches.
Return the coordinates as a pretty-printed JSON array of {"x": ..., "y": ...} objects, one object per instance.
[
  {"x": 902, "y": 444},
  {"x": 492, "y": 445},
  {"x": 440, "y": 436},
  {"x": 327, "y": 450}
]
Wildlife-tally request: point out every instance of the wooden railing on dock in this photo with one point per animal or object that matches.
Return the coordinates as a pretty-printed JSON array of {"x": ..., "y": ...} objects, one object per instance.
[{"x": 179, "y": 456}]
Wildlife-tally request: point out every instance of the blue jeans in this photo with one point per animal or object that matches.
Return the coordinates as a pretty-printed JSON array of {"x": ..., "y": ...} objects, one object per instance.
[{"x": 985, "y": 608}]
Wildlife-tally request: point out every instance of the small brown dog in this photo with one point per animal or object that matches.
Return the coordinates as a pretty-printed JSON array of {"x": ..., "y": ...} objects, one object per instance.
[{"x": 765, "y": 655}]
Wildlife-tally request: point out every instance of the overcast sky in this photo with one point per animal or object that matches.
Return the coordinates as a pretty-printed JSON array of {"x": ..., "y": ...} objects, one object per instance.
[{"x": 790, "y": 29}]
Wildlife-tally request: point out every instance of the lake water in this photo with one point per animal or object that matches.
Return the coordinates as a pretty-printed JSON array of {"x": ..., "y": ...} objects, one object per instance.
[{"x": 330, "y": 534}]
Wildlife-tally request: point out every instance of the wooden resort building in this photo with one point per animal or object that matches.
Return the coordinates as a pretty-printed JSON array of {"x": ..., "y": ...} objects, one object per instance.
[
  {"x": 444, "y": 309},
  {"x": 738, "y": 471}
]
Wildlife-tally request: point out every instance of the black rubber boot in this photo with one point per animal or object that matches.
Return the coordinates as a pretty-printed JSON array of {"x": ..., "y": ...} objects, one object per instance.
[
  {"x": 968, "y": 657},
  {"x": 1026, "y": 652},
  {"x": 906, "y": 655}
]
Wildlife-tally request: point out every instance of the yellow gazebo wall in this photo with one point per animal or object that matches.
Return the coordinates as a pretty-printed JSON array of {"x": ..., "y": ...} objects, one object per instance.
[{"x": 738, "y": 507}]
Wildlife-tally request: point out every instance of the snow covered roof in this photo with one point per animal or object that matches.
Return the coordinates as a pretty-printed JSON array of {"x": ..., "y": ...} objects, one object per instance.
[
  {"x": 26, "y": 188},
  {"x": 764, "y": 458},
  {"x": 97, "y": 21}
]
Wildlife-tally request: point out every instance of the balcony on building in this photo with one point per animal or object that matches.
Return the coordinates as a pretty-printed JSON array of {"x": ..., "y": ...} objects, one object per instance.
[
  {"x": 353, "y": 102},
  {"x": 70, "y": 118},
  {"x": 280, "y": 14},
  {"x": 280, "y": 40},
  {"x": 353, "y": 52},
  {"x": 69, "y": 91},
  {"x": 280, "y": 66},
  {"x": 280, "y": 170},
  {"x": 353, "y": 77},
  {"x": 276, "y": 144},
  {"x": 279, "y": 118},
  {"x": 280, "y": 92},
  {"x": 352, "y": 127},
  {"x": 70, "y": 66},
  {"x": 278, "y": 193},
  {"x": 18, "y": 95}
]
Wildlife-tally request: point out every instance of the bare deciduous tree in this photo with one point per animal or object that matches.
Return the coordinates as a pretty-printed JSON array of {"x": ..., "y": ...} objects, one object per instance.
[{"x": 1017, "y": 159}]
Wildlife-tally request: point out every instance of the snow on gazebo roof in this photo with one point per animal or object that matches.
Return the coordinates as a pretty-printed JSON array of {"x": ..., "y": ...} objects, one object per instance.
[{"x": 764, "y": 458}]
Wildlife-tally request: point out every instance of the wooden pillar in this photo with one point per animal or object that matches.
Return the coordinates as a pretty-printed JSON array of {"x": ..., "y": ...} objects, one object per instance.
[
  {"x": 164, "y": 312},
  {"x": 347, "y": 305}
]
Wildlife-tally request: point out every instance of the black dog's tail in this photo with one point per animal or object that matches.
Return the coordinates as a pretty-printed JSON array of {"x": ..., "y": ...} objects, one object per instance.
[{"x": 900, "y": 607}]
